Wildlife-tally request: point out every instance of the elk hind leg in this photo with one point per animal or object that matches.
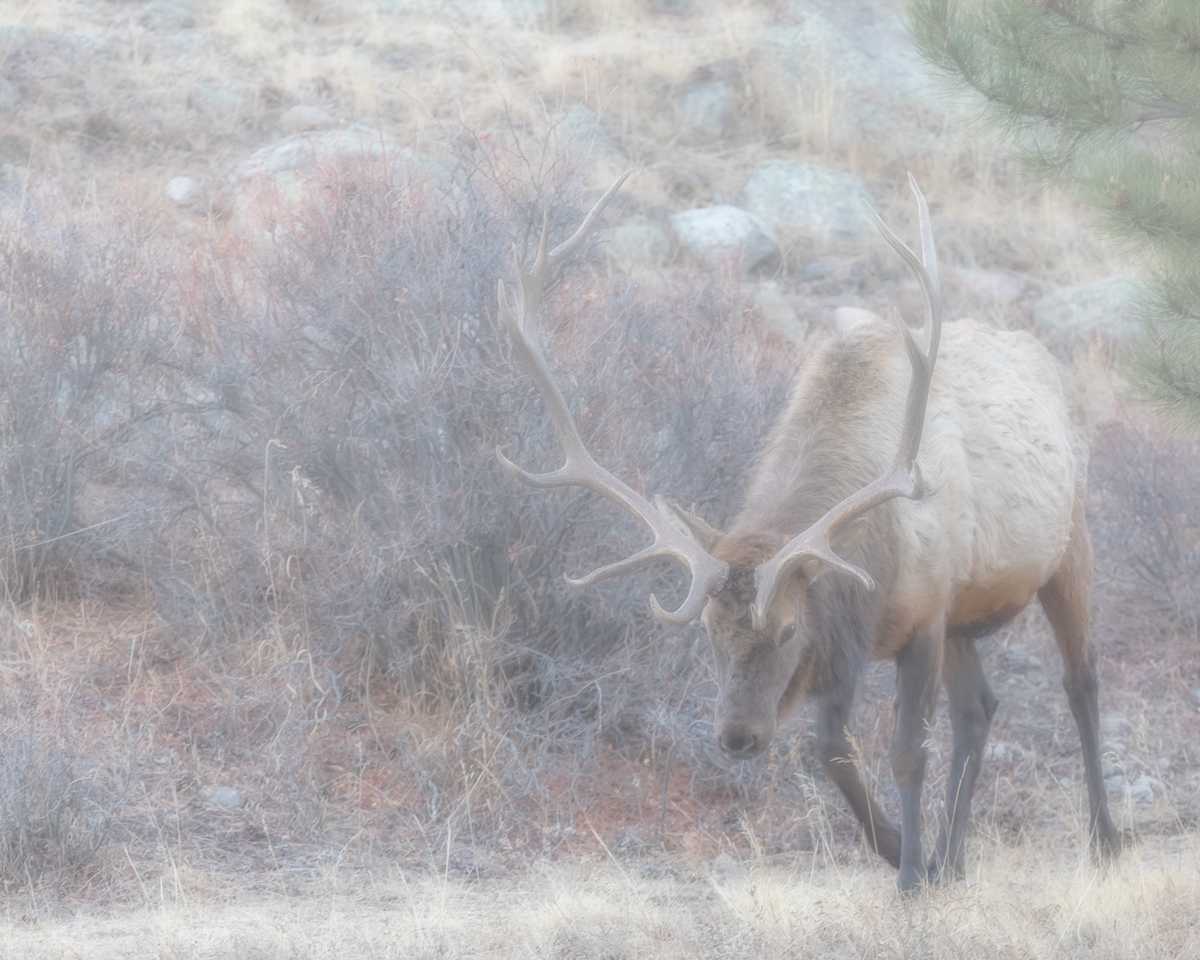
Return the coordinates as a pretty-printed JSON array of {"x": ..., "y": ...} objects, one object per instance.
[
  {"x": 916, "y": 694},
  {"x": 972, "y": 705},
  {"x": 1065, "y": 599},
  {"x": 839, "y": 763}
]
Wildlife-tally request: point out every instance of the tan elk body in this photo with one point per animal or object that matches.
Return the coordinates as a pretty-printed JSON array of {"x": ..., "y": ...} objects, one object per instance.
[
  {"x": 908, "y": 500},
  {"x": 997, "y": 515}
]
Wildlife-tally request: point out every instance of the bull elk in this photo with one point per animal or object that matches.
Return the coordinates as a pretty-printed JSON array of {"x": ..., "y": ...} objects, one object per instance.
[{"x": 949, "y": 540}]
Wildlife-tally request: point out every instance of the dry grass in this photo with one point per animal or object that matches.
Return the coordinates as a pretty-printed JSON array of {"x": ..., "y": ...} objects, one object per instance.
[
  {"x": 262, "y": 541},
  {"x": 1029, "y": 901}
]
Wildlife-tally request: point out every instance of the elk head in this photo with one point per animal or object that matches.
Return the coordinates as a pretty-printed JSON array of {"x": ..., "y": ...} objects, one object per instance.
[{"x": 750, "y": 588}]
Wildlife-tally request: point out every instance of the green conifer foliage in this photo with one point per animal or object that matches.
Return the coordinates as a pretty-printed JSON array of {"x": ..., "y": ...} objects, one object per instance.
[{"x": 1104, "y": 94}]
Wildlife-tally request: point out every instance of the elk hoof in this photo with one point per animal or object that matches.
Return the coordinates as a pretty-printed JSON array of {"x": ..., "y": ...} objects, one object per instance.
[
  {"x": 911, "y": 882},
  {"x": 940, "y": 872},
  {"x": 1106, "y": 848}
]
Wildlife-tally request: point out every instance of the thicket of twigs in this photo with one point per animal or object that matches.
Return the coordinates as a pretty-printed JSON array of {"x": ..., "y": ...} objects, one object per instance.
[
  {"x": 280, "y": 435},
  {"x": 284, "y": 434}
]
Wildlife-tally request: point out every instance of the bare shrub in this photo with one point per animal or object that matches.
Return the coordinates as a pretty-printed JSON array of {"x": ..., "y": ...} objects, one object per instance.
[
  {"x": 360, "y": 360},
  {"x": 77, "y": 333},
  {"x": 56, "y": 807},
  {"x": 1146, "y": 520},
  {"x": 289, "y": 434}
]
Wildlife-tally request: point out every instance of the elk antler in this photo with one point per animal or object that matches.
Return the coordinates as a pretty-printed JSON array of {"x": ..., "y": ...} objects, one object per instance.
[
  {"x": 904, "y": 477},
  {"x": 708, "y": 573}
]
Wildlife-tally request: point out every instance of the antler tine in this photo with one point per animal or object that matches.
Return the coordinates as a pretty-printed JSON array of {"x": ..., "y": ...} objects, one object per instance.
[
  {"x": 580, "y": 469},
  {"x": 568, "y": 247},
  {"x": 531, "y": 283},
  {"x": 903, "y": 479}
]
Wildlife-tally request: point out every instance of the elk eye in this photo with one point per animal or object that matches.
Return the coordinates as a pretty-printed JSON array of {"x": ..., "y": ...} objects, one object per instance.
[{"x": 788, "y": 632}]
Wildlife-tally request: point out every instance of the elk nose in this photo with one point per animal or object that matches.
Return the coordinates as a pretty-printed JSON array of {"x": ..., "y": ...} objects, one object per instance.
[{"x": 739, "y": 746}]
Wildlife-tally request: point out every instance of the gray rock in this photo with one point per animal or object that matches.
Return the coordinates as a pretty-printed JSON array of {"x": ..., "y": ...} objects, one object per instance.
[
  {"x": 1073, "y": 315},
  {"x": 524, "y": 13},
  {"x": 226, "y": 797},
  {"x": 9, "y": 98},
  {"x": 183, "y": 191},
  {"x": 636, "y": 244},
  {"x": 186, "y": 42},
  {"x": 164, "y": 15},
  {"x": 1114, "y": 725},
  {"x": 578, "y": 132},
  {"x": 809, "y": 201},
  {"x": 1004, "y": 752},
  {"x": 303, "y": 151},
  {"x": 856, "y": 60},
  {"x": 12, "y": 34},
  {"x": 683, "y": 8},
  {"x": 725, "y": 867},
  {"x": 817, "y": 270},
  {"x": 707, "y": 108},
  {"x": 303, "y": 117},
  {"x": 773, "y": 311},
  {"x": 1153, "y": 783},
  {"x": 99, "y": 46},
  {"x": 721, "y": 235},
  {"x": 1140, "y": 792},
  {"x": 991, "y": 284},
  {"x": 214, "y": 102}
]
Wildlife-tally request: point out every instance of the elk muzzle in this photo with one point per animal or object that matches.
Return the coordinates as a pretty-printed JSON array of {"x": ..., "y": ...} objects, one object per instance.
[
  {"x": 741, "y": 736},
  {"x": 747, "y": 707},
  {"x": 740, "y": 743}
]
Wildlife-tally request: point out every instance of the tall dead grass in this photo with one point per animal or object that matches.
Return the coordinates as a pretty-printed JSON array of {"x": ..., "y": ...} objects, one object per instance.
[
  {"x": 279, "y": 434},
  {"x": 282, "y": 437}
]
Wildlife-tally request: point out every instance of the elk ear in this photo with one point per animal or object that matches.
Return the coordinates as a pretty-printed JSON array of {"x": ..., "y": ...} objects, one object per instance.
[
  {"x": 845, "y": 545},
  {"x": 686, "y": 523}
]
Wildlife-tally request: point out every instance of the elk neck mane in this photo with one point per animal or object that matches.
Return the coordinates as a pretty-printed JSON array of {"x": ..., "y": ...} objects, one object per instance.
[{"x": 842, "y": 417}]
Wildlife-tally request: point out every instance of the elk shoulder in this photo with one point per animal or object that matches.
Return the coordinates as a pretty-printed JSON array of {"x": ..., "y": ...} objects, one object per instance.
[{"x": 1003, "y": 458}]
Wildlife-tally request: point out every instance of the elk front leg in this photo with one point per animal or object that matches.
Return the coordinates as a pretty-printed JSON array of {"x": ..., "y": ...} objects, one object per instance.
[
  {"x": 840, "y": 765},
  {"x": 972, "y": 705},
  {"x": 916, "y": 693}
]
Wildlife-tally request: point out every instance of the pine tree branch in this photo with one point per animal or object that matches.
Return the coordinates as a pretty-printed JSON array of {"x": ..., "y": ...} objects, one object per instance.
[
  {"x": 1162, "y": 110},
  {"x": 1091, "y": 27}
]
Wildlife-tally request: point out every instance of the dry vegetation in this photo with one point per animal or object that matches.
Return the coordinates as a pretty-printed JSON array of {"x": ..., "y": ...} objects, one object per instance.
[{"x": 253, "y": 534}]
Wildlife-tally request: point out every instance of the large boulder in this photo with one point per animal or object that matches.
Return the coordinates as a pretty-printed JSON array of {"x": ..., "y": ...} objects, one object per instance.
[
  {"x": 305, "y": 117},
  {"x": 799, "y": 200},
  {"x": 1070, "y": 317},
  {"x": 635, "y": 245},
  {"x": 856, "y": 62},
  {"x": 707, "y": 108},
  {"x": 773, "y": 311},
  {"x": 294, "y": 170},
  {"x": 183, "y": 191},
  {"x": 305, "y": 151},
  {"x": 579, "y": 133},
  {"x": 723, "y": 235},
  {"x": 9, "y": 98},
  {"x": 165, "y": 15}
]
